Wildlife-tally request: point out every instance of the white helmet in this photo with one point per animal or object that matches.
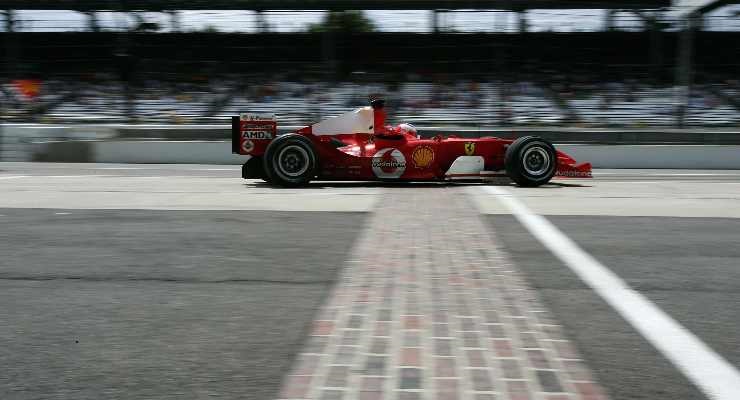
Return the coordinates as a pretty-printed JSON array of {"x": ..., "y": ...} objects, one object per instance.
[{"x": 407, "y": 128}]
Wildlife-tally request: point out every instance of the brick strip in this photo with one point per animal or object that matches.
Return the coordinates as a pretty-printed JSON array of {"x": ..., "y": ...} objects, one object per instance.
[{"x": 430, "y": 307}]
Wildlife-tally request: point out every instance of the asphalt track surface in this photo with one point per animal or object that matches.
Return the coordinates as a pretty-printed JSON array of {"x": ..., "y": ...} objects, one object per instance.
[{"x": 153, "y": 281}]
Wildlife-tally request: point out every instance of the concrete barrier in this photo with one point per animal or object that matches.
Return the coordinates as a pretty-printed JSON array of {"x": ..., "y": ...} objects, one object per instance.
[
  {"x": 656, "y": 156},
  {"x": 165, "y": 152},
  {"x": 219, "y": 152}
]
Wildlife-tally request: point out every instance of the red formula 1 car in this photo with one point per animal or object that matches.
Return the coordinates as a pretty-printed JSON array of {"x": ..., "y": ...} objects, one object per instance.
[{"x": 359, "y": 146}]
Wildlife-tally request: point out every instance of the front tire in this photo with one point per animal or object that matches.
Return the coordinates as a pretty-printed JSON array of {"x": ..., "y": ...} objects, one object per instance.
[
  {"x": 290, "y": 160},
  {"x": 531, "y": 161}
]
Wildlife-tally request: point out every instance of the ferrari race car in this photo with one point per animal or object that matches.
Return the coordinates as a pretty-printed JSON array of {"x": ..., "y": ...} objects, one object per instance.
[{"x": 359, "y": 146}]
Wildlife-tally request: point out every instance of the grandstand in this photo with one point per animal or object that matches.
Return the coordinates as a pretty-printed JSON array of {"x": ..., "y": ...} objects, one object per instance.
[{"x": 609, "y": 78}]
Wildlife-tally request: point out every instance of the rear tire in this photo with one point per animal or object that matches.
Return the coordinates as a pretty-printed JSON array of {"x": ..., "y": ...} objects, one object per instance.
[
  {"x": 253, "y": 169},
  {"x": 290, "y": 160},
  {"x": 531, "y": 161}
]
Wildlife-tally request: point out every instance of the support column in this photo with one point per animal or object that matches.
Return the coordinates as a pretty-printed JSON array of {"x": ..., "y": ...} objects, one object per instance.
[
  {"x": 92, "y": 21},
  {"x": 174, "y": 20},
  {"x": 522, "y": 21},
  {"x": 684, "y": 66},
  {"x": 8, "y": 68},
  {"x": 609, "y": 20},
  {"x": 656, "y": 44},
  {"x": 261, "y": 22},
  {"x": 11, "y": 45},
  {"x": 501, "y": 22},
  {"x": 329, "y": 51},
  {"x": 435, "y": 21}
]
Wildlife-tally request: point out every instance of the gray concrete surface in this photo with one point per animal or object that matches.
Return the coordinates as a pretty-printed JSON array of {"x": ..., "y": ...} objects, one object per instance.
[
  {"x": 686, "y": 264},
  {"x": 143, "y": 304},
  {"x": 626, "y": 365},
  {"x": 157, "y": 187},
  {"x": 108, "y": 291},
  {"x": 669, "y": 193}
]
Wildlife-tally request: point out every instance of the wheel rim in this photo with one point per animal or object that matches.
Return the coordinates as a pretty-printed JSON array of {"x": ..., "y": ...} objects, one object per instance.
[
  {"x": 536, "y": 161},
  {"x": 292, "y": 161}
]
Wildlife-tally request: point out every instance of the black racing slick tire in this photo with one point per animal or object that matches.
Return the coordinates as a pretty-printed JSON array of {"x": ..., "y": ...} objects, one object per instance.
[
  {"x": 253, "y": 169},
  {"x": 531, "y": 161},
  {"x": 290, "y": 160}
]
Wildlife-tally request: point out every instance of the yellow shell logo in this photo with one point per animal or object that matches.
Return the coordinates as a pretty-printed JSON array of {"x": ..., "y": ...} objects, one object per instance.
[
  {"x": 469, "y": 148},
  {"x": 423, "y": 156}
]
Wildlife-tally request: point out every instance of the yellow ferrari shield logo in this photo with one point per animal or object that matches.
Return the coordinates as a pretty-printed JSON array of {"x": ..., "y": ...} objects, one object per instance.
[{"x": 469, "y": 148}]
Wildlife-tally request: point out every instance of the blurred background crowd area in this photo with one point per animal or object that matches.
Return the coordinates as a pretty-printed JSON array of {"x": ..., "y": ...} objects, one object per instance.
[
  {"x": 422, "y": 100},
  {"x": 615, "y": 68}
]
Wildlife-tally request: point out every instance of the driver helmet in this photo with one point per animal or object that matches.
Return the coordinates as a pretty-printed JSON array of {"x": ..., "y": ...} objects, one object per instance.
[{"x": 407, "y": 128}]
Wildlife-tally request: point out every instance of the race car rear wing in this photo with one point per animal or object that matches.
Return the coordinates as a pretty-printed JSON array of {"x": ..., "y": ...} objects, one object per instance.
[{"x": 251, "y": 133}]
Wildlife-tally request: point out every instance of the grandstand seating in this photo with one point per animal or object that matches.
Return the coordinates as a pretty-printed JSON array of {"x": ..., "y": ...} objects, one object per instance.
[{"x": 461, "y": 104}]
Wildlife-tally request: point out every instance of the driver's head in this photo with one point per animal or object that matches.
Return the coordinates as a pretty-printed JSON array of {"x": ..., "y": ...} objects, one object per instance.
[{"x": 407, "y": 128}]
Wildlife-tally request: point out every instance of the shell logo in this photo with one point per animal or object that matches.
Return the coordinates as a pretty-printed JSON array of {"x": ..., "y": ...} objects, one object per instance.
[{"x": 422, "y": 156}]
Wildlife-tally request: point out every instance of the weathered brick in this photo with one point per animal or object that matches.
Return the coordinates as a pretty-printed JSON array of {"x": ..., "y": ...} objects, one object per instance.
[
  {"x": 475, "y": 358},
  {"x": 481, "y": 380},
  {"x": 502, "y": 347},
  {"x": 538, "y": 359},
  {"x": 443, "y": 347},
  {"x": 337, "y": 376},
  {"x": 458, "y": 306},
  {"x": 410, "y": 357},
  {"x": 331, "y": 394},
  {"x": 441, "y": 330},
  {"x": 410, "y": 378},
  {"x": 375, "y": 365},
  {"x": 379, "y": 345},
  {"x": 411, "y": 322},
  {"x": 382, "y": 329},
  {"x": 549, "y": 381},
  {"x": 372, "y": 384},
  {"x": 323, "y": 327},
  {"x": 511, "y": 368},
  {"x": 444, "y": 367}
]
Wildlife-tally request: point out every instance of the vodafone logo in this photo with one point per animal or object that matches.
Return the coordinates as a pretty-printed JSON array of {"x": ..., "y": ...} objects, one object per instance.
[{"x": 389, "y": 163}]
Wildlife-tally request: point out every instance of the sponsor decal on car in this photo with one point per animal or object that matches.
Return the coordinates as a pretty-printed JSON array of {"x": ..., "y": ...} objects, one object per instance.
[
  {"x": 257, "y": 117},
  {"x": 257, "y": 134},
  {"x": 574, "y": 174},
  {"x": 469, "y": 148},
  {"x": 247, "y": 146},
  {"x": 422, "y": 156},
  {"x": 388, "y": 163}
]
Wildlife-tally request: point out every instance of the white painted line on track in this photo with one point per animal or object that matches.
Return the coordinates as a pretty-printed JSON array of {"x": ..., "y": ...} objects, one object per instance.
[
  {"x": 711, "y": 373},
  {"x": 13, "y": 176}
]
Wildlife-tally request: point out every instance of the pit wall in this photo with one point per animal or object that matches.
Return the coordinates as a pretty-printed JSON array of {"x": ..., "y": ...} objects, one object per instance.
[
  {"x": 211, "y": 152},
  {"x": 119, "y": 144}
]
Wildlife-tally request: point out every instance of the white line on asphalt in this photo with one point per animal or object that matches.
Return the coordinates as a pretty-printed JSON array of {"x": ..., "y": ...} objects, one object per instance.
[
  {"x": 13, "y": 176},
  {"x": 716, "y": 377}
]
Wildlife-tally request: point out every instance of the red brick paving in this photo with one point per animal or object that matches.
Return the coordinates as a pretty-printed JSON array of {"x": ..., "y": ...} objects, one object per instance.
[{"x": 430, "y": 307}]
